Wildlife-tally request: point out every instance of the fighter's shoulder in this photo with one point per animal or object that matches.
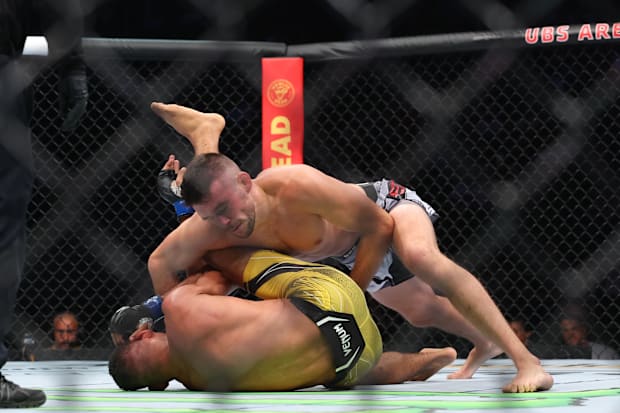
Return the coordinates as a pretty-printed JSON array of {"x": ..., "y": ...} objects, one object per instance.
[{"x": 287, "y": 174}]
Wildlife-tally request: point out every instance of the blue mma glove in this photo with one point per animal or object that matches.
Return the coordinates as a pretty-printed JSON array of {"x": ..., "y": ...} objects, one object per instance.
[
  {"x": 170, "y": 192},
  {"x": 127, "y": 319}
]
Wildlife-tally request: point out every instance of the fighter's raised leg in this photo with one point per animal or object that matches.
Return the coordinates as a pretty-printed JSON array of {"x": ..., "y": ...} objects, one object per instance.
[{"x": 203, "y": 130}]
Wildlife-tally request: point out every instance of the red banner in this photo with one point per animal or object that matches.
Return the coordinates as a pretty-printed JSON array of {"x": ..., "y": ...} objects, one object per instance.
[{"x": 283, "y": 111}]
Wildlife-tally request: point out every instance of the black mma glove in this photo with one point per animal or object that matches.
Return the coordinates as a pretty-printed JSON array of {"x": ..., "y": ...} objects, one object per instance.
[
  {"x": 127, "y": 319},
  {"x": 73, "y": 90},
  {"x": 170, "y": 192}
]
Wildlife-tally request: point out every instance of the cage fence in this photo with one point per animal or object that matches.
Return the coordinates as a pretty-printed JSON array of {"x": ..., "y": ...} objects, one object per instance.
[{"x": 516, "y": 148}]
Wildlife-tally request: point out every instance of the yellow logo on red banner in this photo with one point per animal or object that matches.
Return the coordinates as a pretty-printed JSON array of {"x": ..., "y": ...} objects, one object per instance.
[
  {"x": 280, "y": 93},
  {"x": 283, "y": 111}
]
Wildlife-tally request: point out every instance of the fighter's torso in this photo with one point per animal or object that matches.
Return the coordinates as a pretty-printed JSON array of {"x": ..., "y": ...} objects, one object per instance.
[
  {"x": 276, "y": 349},
  {"x": 297, "y": 231},
  {"x": 284, "y": 226},
  {"x": 309, "y": 237}
]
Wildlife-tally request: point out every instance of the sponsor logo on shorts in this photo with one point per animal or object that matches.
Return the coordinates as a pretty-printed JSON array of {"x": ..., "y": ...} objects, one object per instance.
[
  {"x": 341, "y": 332},
  {"x": 345, "y": 338},
  {"x": 396, "y": 190}
]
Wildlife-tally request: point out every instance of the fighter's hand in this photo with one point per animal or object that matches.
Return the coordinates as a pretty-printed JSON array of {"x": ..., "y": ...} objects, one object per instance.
[
  {"x": 169, "y": 180},
  {"x": 173, "y": 164},
  {"x": 126, "y": 320}
]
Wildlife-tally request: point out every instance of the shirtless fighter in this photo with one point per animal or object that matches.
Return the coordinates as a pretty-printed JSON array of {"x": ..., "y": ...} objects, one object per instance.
[
  {"x": 313, "y": 327},
  {"x": 306, "y": 213}
]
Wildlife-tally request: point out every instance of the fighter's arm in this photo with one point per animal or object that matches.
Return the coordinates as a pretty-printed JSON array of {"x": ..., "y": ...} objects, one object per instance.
[
  {"x": 126, "y": 320},
  {"x": 181, "y": 250},
  {"x": 347, "y": 207},
  {"x": 208, "y": 282}
]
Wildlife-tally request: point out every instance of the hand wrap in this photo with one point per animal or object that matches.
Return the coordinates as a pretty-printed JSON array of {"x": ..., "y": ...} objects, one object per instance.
[{"x": 170, "y": 192}]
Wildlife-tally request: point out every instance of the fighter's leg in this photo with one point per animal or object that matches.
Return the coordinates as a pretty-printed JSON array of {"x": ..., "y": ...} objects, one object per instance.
[
  {"x": 394, "y": 367},
  {"x": 417, "y": 303},
  {"x": 201, "y": 129},
  {"x": 415, "y": 243}
]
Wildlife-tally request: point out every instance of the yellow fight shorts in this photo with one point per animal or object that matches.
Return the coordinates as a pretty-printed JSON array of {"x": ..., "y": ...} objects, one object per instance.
[{"x": 331, "y": 299}]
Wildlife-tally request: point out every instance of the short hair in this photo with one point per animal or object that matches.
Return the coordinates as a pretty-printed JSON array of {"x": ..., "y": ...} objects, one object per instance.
[
  {"x": 64, "y": 314},
  {"x": 123, "y": 369},
  {"x": 575, "y": 312},
  {"x": 526, "y": 324},
  {"x": 200, "y": 174},
  {"x": 578, "y": 318}
]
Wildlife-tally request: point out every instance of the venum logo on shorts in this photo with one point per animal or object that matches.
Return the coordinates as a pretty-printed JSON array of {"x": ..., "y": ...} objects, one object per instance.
[{"x": 345, "y": 339}]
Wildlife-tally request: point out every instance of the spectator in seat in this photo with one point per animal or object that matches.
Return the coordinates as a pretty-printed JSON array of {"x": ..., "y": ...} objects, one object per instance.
[
  {"x": 576, "y": 339},
  {"x": 522, "y": 329},
  {"x": 65, "y": 331}
]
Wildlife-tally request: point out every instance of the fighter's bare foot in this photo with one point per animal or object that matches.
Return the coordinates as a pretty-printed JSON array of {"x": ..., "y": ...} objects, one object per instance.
[
  {"x": 475, "y": 358},
  {"x": 431, "y": 360},
  {"x": 530, "y": 378},
  {"x": 201, "y": 129}
]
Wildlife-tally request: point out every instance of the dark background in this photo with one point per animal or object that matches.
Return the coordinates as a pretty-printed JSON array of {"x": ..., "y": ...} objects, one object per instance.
[
  {"x": 96, "y": 217},
  {"x": 296, "y": 22}
]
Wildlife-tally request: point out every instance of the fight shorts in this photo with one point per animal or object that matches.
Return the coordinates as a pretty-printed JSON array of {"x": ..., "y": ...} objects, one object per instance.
[
  {"x": 331, "y": 300},
  {"x": 388, "y": 194}
]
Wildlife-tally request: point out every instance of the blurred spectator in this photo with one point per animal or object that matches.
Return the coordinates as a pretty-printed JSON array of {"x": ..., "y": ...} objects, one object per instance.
[
  {"x": 28, "y": 348},
  {"x": 64, "y": 340},
  {"x": 65, "y": 331},
  {"x": 576, "y": 341},
  {"x": 62, "y": 343},
  {"x": 522, "y": 330}
]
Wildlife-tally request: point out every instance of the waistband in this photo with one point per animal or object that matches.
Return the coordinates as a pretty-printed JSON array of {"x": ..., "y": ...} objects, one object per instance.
[
  {"x": 273, "y": 271},
  {"x": 371, "y": 191}
]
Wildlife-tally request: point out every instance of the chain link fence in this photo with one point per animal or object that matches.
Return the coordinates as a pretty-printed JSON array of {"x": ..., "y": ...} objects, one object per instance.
[{"x": 517, "y": 149}]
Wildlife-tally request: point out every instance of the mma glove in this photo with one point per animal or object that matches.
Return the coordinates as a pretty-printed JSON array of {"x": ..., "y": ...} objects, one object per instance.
[
  {"x": 127, "y": 319},
  {"x": 73, "y": 91},
  {"x": 170, "y": 192}
]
